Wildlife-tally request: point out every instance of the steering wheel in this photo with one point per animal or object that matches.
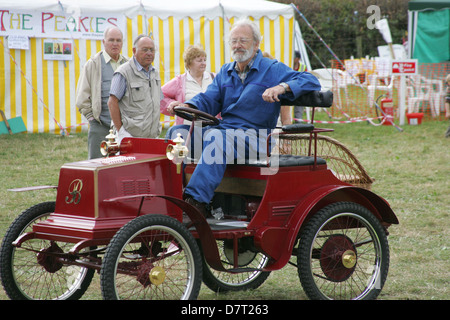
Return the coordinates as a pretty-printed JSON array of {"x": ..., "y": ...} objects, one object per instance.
[{"x": 192, "y": 114}]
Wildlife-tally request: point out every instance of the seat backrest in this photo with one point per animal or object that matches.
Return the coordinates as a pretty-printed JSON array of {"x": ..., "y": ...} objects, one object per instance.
[{"x": 321, "y": 99}]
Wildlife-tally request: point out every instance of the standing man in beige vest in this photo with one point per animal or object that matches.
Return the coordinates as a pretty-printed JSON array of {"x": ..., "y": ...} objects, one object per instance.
[
  {"x": 135, "y": 95},
  {"x": 93, "y": 88}
]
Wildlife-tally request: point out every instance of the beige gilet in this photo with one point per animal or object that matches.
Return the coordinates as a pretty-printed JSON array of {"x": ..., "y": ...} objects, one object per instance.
[{"x": 139, "y": 107}]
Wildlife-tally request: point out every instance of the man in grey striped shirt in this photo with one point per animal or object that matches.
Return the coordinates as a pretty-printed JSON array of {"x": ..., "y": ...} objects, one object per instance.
[{"x": 135, "y": 94}]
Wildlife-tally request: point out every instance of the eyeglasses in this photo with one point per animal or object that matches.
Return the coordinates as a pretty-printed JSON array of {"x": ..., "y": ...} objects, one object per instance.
[
  {"x": 240, "y": 41},
  {"x": 145, "y": 50}
]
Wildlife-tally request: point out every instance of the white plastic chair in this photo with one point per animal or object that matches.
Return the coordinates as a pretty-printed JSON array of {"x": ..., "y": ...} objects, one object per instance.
[
  {"x": 380, "y": 80},
  {"x": 376, "y": 84},
  {"x": 421, "y": 90},
  {"x": 438, "y": 95}
]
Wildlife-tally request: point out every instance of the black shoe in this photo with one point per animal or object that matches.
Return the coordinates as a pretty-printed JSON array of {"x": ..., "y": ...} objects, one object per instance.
[{"x": 202, "y": 207}]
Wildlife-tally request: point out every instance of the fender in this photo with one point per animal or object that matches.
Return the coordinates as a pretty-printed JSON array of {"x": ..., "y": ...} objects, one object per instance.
[
  {"x": 207, "y": 240},
  {"x": 318, "y": 199}
]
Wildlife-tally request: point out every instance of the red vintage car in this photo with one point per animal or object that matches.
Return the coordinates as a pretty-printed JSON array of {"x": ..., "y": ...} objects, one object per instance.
[{"x": 123, "y": 215}]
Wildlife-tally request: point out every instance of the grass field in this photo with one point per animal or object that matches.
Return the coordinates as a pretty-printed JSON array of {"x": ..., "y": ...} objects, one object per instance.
[{"x": 411, "y": 170}]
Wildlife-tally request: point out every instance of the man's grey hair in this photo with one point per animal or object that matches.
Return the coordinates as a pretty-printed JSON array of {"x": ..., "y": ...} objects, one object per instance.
[
  {"x": 251, "y": 24},
  {"x": 139, "y": 37},
  {"x": 108, "y": 29}
]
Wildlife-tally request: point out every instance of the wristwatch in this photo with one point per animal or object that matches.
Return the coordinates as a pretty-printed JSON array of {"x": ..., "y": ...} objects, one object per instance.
[{"x": 285, "y": 86}]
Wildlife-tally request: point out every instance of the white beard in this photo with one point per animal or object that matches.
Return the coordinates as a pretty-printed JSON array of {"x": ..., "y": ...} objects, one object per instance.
[{"x": 242, "y": 57}]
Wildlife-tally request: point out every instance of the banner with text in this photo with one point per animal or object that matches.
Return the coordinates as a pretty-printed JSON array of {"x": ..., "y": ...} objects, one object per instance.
[{"x": 46, "y": 24}]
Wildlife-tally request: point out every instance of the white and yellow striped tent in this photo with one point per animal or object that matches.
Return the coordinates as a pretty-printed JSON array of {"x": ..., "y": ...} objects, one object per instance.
[{"x": 40, "y": 87}]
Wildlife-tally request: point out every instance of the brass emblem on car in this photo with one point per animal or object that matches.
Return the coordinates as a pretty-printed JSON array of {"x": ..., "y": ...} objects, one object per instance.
[{"x": 74, "y": 192}]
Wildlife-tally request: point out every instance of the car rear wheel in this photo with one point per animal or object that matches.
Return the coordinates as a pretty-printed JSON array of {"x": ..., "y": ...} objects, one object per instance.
[{"x": 343, "y": 254}]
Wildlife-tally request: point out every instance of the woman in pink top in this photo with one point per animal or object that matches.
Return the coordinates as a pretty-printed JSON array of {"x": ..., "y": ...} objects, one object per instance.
[{"x": 185, "y": 86}]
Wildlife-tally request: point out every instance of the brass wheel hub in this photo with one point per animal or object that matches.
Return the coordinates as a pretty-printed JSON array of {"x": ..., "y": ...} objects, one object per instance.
[
  {"x": 157, "y": 275},
  {"x": 349, "y": 259}
]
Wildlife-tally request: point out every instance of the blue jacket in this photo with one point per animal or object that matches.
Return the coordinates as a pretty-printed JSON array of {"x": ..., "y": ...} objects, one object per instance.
[{"x": 241, "y": 104}]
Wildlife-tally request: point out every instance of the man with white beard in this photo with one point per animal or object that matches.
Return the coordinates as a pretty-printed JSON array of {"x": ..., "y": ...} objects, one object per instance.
[{"x": 246, "y": 93}]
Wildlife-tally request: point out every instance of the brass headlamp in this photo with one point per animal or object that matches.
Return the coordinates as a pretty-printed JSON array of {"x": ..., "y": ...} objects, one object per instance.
[
  {"x": 176, "y": 153},
  {"x": 109, "y": 147}
]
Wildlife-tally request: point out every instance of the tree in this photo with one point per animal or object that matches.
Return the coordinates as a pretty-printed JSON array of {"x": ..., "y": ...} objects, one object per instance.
[{"x": 343, "y": 26}]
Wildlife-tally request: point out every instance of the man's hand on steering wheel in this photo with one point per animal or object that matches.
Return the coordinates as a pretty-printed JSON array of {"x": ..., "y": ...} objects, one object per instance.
[
  {"x": 173, "y": 104},
  {"x": 186, "y": 112}
]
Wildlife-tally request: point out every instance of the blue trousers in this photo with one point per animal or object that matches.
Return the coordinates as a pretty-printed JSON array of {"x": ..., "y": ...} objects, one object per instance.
[{"x": 220, "y": 145}]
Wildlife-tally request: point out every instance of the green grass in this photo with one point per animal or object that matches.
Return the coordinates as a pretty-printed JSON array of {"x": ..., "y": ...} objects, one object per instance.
[{"x": 411, "y": 170}]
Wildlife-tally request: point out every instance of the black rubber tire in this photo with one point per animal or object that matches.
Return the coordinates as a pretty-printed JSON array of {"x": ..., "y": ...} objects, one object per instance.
[
  {"x": 320, "y": 260},
  {"x": 219, "y": 281},
  {"x": 160, "y": 233},
  {"x": 39, "y": 284}
]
